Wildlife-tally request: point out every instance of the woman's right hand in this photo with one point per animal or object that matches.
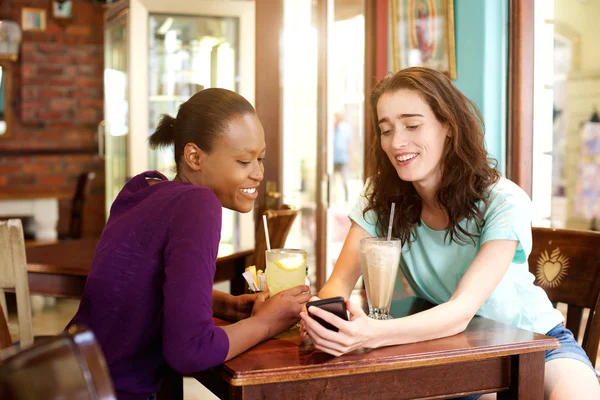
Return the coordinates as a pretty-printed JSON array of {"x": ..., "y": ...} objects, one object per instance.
[{"x": 281, "y": 311}]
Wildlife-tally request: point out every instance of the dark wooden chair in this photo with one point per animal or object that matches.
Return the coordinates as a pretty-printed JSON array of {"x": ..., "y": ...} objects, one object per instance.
[
  {"x": 279, "y": 223},
  {"x": 82, "y": 191},
  {"x": 67, "y": 366},
  {"x": 566, "y": 264}
]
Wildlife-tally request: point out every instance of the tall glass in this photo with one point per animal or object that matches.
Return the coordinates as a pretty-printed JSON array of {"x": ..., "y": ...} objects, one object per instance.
[
  {"x": 380, "y": 260},
  {"x": 285, "y": 268}
]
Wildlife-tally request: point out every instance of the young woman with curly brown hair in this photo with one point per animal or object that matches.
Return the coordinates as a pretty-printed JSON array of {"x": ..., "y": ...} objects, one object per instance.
[{"x": 465, "y": 232}]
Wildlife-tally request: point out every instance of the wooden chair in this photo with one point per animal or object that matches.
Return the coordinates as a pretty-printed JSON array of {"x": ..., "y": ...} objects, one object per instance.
[
  {"x": 67, "y": 366},
  {"x": 5, "y": 339},
  {"x": 82, "y": 191},
  {"x": 566, "y": 264},
  {"x": 13, "y": 275},
  {"x": 279, "y": 223}
]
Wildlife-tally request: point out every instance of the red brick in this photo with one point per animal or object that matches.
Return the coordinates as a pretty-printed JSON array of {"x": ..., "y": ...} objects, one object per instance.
[
  {"x": 87, "y": 115},
  {"x": 87, "y": 82},
  {"x": 50, "y": 115},
  {"x": 51, "y": 136},
  {"x": 70, "y": 71},
  {"x": 32, "y": 105},
  {"x": 81, "y": 30},
  {"x": 52, "y": 180},
  {"x": 50, "y": 70},
  {"x": 53, "y": 29},
  {"x": 21, "y": 180},
  {"x": 60, "y": 82},
  {"x": 3, "y": 181},
  {"x": 28, "y": 115},
  {"x": 86, "y": 69},
  {"x": 35, "y": 168},
  {"x": 62, "y": 104},
  {"x": 28, "y": 47},
  {"x": 33, "y": 81},
  {"x": 28, "y": 70},
  {"x": 92, "y": 103},
  {"x": 50, "y": 92},
  {"x": 29, "y": 93},
  {"x": 51, "y": 48},
  {"x": 32, "y": 57},
  {"x": 60, "y": 59},
  {"x": 9, "y": 169}
]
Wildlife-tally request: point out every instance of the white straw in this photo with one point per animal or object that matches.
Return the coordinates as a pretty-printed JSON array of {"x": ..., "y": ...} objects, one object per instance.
[
  {"x": 266, "y": 232},
  {"x": 389, "y": 235}
]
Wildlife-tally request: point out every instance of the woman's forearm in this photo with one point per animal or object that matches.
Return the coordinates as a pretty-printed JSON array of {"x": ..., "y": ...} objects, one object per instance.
[
  {"x": 336, "y": 287},
  {"x": 245, "y": 334},
  {"x": 444, "y": 320}
]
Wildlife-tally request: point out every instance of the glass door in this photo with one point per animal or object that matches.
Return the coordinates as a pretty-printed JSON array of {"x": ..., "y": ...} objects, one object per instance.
[
  {"x": 323, "y": 127},
  {"x": 299, "y": 84},
  {"x": 346, "y": 102},
  {"x": 187, "y": 54},
  {"x": 116, "y": 106},
  {"x": 566, "y": 134}
]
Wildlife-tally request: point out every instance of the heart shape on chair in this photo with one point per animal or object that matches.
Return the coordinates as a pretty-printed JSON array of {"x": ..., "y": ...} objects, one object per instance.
[{"x": 551, "y": 270}]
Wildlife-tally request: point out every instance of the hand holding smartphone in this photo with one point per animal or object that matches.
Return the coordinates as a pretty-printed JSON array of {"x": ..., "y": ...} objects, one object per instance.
[{"x": 335, "y": 305}]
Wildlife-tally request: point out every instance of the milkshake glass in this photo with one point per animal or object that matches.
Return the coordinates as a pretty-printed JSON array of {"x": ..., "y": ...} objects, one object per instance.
[{"x": 380, "y": 260}]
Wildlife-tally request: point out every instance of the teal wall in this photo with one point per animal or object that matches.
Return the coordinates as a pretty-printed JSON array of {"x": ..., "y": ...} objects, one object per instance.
[
  {"x": 481, "y": 28},
  {"x": 481, "y": 62}
]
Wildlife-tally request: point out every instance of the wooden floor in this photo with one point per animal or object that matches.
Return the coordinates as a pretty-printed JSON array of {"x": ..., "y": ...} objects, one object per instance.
[{"x": 53, "y": 318}]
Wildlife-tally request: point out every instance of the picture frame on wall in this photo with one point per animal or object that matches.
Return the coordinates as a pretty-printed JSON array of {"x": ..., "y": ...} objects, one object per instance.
[
  {"x": 422, "y": 34},
  {"x": 33, "y": 19},
  {"x": 61, "y": 10}
]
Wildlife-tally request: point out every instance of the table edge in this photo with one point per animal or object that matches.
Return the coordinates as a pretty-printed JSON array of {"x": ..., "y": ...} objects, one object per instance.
[{"x": 300, "y": 373}]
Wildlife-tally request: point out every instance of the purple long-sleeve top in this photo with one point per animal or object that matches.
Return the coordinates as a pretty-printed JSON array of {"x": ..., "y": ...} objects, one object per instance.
[{"x": 148, "y": 296}]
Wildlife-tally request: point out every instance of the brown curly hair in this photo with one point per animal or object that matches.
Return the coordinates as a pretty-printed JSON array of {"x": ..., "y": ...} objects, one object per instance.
[{"x": 467, "y": 170}]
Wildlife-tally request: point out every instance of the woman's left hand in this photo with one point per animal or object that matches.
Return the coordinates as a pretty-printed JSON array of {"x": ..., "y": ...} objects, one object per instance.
[
  {"x": 357, "y": 333},
  {"x": 241, "y": 306}
]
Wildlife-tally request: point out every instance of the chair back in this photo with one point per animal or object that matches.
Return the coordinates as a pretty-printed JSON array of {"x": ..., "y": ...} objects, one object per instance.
[
  {"x": 68, "y": 366},
  {"x": 82, "y": 190},
  {"x": 279, "y": 223},
  {"x": 13, "y": 275},
  {"x": 566, "y": 264}
]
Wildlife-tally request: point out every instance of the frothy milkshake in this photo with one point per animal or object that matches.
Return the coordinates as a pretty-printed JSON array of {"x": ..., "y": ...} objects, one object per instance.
[{"x": 380, "y": 260}]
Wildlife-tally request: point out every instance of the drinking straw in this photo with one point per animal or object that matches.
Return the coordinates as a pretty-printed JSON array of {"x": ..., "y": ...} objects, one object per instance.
[
  {"x": 266, "y": 232},
  {"x": 389, "y": 235}
]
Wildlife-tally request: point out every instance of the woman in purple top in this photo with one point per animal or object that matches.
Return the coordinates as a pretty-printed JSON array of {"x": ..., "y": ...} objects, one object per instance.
[{"x": 149, "y": 297}]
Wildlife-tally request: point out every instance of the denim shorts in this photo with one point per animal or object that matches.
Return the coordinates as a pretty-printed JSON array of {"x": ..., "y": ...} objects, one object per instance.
[{"x": 569, "y": 348}]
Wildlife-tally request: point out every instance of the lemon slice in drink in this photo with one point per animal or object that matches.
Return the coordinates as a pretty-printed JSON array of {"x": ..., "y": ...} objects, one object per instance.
[{"x": 289, "y": 264}]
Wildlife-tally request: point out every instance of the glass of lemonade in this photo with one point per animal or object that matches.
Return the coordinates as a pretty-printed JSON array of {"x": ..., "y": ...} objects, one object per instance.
[
  {"x": 380, "y": 260},
  {"x": 285, "y": 268}
]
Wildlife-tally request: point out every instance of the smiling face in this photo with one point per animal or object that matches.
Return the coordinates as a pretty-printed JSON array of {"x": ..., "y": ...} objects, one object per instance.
[
  {"x": 412, "y": 137},
  {"x": 234, "y": 168}
]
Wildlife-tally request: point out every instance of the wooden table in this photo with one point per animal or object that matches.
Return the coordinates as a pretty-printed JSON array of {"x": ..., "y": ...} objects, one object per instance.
[
  {"x": 487, "y": 357},
  {"x": 60, "y": 269}
]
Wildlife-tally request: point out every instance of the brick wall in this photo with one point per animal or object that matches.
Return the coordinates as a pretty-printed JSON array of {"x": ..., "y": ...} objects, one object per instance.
[{"x": 58, "y": 87}]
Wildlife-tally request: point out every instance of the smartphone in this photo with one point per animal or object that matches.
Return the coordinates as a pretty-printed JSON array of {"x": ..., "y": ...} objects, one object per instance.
[{"x": 335, "y": 305}]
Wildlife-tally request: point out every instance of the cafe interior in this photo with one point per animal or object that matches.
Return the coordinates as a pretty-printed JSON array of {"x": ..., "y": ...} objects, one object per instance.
[{"x": 83, "y": 84}]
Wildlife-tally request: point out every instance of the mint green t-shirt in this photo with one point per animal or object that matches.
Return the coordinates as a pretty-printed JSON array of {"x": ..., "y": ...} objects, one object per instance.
[{"x": 433, "y": 267}]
